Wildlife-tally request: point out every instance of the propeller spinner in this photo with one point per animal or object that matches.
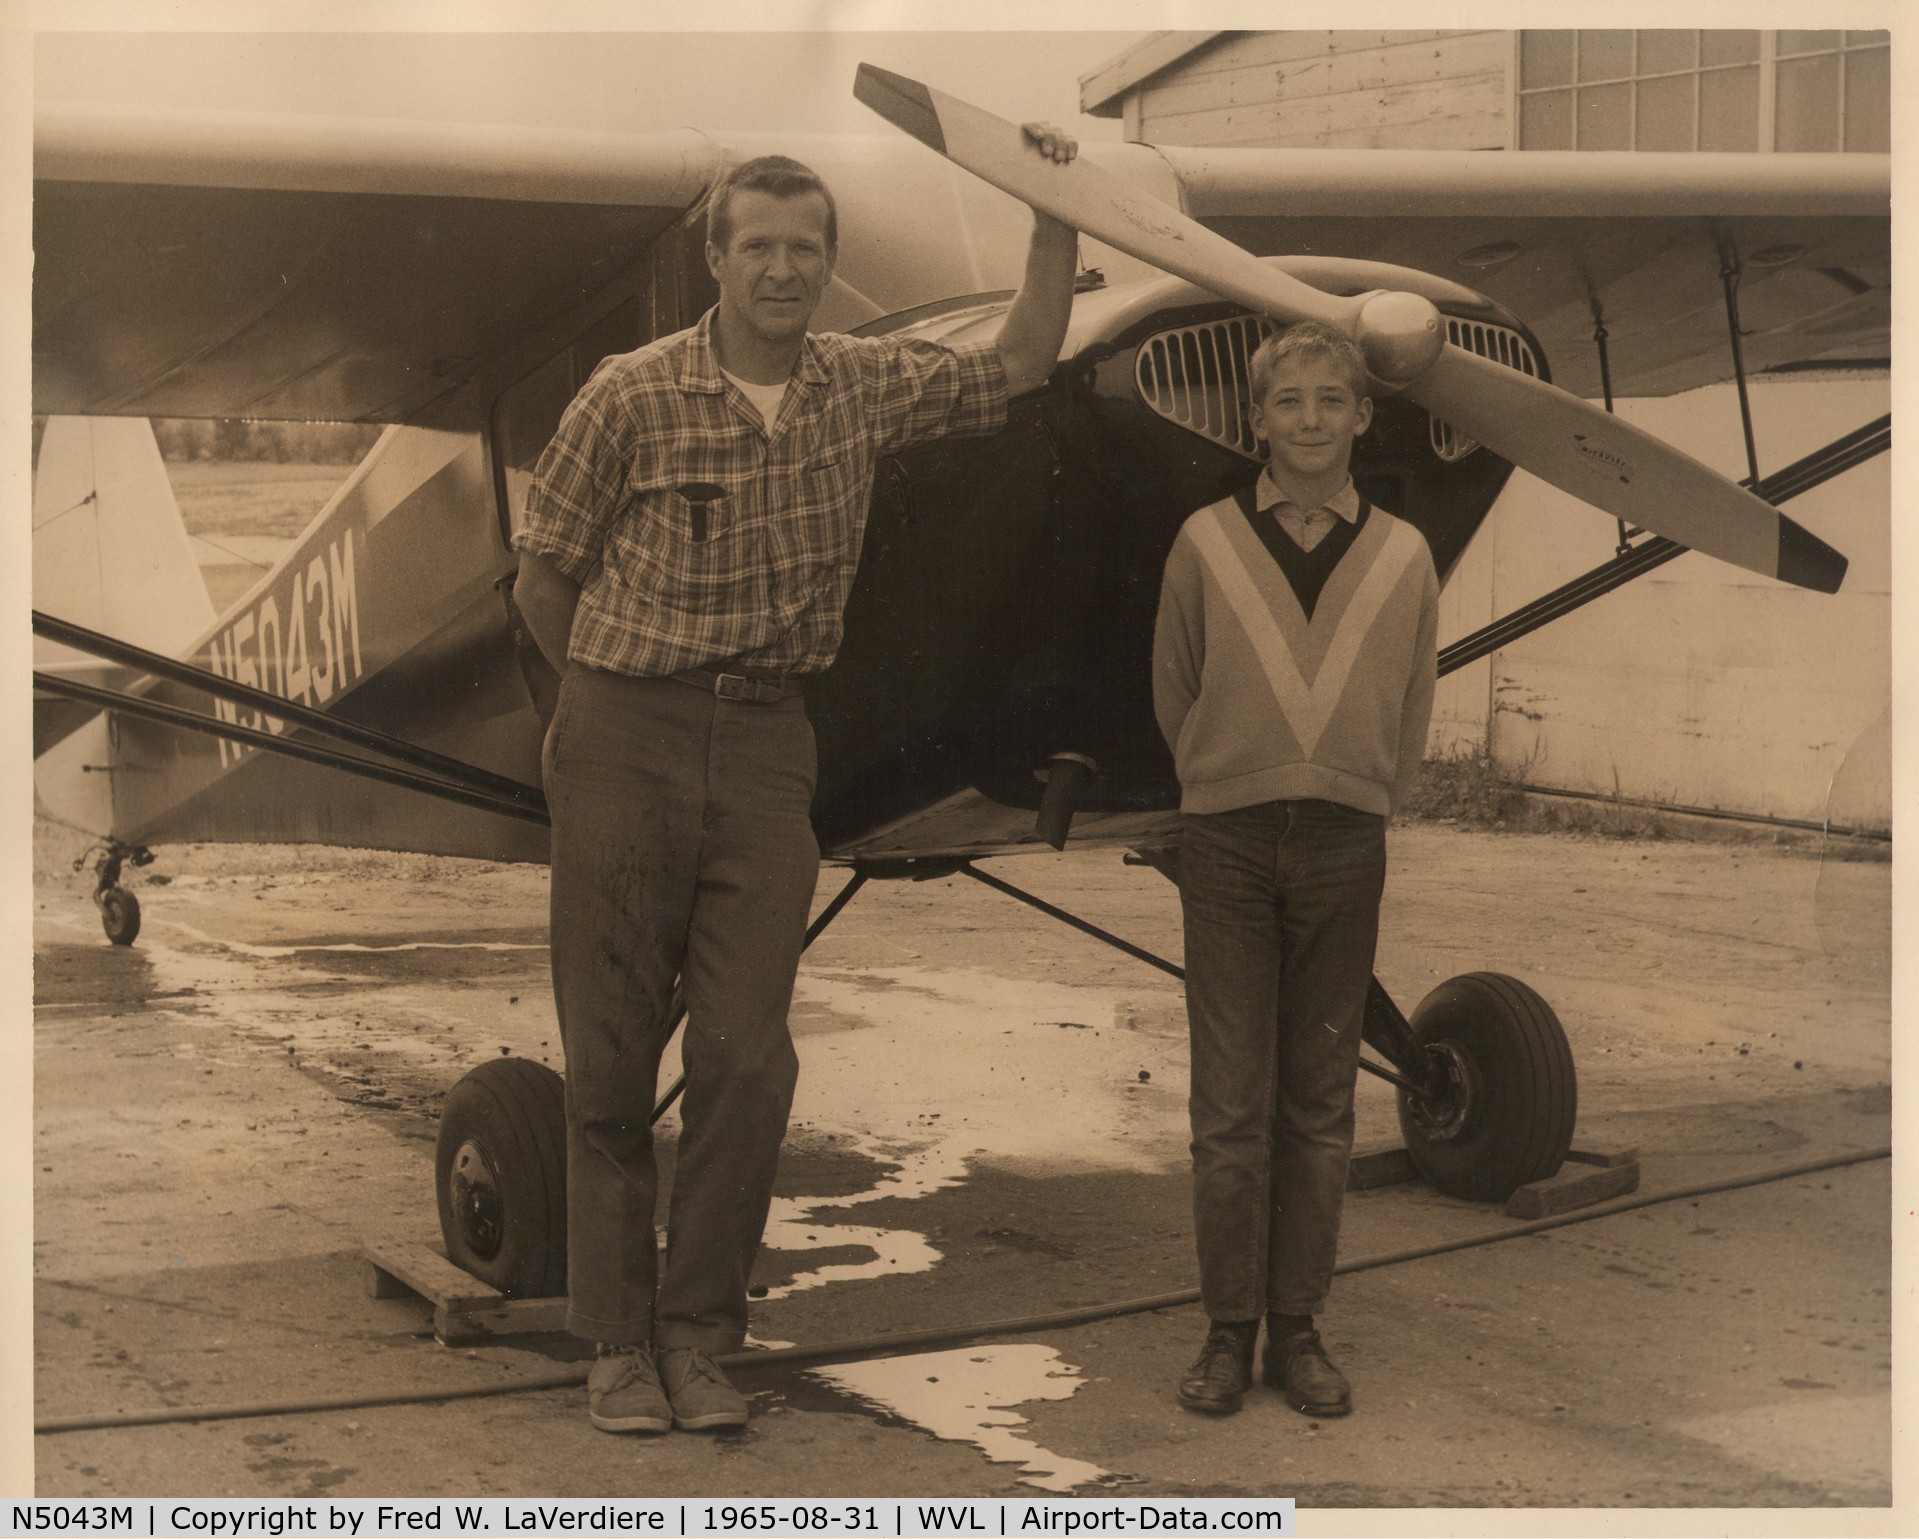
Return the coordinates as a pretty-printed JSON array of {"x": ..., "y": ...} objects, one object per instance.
[{"x": 1556, "y": 436}]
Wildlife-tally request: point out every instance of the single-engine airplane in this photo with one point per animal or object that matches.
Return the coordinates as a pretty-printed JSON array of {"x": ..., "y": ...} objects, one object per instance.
[{"x": 459, "y": 283}]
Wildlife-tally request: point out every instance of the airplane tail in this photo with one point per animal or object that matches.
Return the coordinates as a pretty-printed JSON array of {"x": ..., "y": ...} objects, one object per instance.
[{"x": 110, "y": 552}]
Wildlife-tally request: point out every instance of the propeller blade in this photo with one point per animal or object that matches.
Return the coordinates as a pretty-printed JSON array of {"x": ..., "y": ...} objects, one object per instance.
[
  {"x": 1558, "y": 437},
  {"x": 1621, "y": 469},
  {"x": 1093, "y": 200}
]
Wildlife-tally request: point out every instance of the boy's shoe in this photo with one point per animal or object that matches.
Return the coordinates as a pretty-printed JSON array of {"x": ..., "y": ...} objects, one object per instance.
[
  {"x": 1217, "y": 1382},
  {"x": 623, "y": 1392},
  {"x": 701, "y": 1395},
  {"x": 1298, "y": 1367}
]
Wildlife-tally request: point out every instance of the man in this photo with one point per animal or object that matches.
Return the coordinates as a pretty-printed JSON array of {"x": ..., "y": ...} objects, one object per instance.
[
  {"x": 1293, "y": 673},
  {"x": 690, "y": 541}
]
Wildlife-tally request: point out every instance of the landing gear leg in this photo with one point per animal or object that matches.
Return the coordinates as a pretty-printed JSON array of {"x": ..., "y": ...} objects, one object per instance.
[{"x": 119, "y": 909}]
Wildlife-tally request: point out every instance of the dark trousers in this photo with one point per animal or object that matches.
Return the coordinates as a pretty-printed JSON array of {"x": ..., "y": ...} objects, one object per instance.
[
  {"x": 1281, "y": 909},
  {"x": 682, "y": 846}
]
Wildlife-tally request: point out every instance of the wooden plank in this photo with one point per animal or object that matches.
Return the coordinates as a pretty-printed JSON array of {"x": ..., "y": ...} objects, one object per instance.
[
  {"x": 464, "y": 1308},
  {"x": 1577, "y": 1186},
  {"x": 1255, "y": 50},
  {"x": 382, "y": 1284},
  {"x": 1473, "y": 113},
  {"x": 1315, "y": 114},
  {"x": 1481, "y": 131},
  {"x": 1603, "y": 1156},
  {"x": 1146, "y": 57},
  {"x": 420, "y": 1267},
  {"x": 1463, "y": 56},
  {"x": 454, "y": 1324},
  {"x": 1387, "y": 1166}
]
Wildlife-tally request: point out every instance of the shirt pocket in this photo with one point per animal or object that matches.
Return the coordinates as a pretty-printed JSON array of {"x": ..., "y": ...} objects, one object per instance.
[{"x": 683, "y": 542}]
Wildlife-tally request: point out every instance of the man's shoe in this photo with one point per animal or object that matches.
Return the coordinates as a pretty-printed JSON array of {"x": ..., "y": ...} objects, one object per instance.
[
  {"x": 702, "y": 1398},
  {"x": 623, "y": 1392},
  {"x": 1218, "y": 1381},
  {"x": 1299, "y": 1369}
]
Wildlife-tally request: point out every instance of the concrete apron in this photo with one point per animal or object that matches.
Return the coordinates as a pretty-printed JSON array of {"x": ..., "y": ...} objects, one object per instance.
[{"x": 990, "y": 1125}]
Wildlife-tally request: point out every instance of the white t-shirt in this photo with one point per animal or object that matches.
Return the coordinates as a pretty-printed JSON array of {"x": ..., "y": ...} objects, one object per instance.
[{"x": 766, "y": 397}]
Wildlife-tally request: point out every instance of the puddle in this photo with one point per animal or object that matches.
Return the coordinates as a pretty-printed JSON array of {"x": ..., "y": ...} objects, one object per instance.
[
  {"x": 964, "y": 1396},
  {"x": 92, "y": 973},
  {"x": 384, "y": 1044},
  {"x": 929, "y": 1078}
]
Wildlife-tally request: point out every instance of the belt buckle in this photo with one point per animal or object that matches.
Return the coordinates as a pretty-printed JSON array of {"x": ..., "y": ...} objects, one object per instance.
[{"x": 737, "y": 686}]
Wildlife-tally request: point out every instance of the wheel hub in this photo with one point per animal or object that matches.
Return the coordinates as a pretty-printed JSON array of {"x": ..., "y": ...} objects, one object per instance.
[
  {"x": 1447, "y": 1114},
  {"x": 473, "y": 1198}
]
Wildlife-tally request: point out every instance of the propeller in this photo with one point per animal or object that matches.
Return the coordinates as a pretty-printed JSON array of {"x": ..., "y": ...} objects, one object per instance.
[{"x": 1563, "y": 440}]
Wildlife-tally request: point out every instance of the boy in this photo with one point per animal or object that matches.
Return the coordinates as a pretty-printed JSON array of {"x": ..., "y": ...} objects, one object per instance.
[{"x": 1293, "y": 673}]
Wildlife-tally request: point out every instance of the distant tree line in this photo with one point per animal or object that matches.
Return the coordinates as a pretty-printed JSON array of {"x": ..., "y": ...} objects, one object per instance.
[{"x": 279, "y": 443}]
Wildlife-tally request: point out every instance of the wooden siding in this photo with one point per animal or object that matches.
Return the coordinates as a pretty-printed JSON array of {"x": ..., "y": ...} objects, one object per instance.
[
  {"x": 1374, "y": 90},
  {"x": 1146, "y": 58}
]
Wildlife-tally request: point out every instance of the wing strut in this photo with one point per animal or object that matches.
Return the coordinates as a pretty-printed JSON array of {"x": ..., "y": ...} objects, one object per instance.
[
  {"x": 442, "y": 770},
  {"x": 1729, "y": 276},
  {"x": 193, "y": 721},
  {"x": 1385, "y": 1027},
  {"x": 1855, "y": 448}
]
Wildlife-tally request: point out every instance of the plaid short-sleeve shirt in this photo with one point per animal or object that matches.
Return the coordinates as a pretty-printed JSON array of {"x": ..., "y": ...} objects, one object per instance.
[{"x": 695, "y": 535}]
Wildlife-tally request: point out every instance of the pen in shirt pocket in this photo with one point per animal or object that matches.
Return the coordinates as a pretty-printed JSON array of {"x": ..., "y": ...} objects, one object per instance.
[{"x": 698, "y": 494}]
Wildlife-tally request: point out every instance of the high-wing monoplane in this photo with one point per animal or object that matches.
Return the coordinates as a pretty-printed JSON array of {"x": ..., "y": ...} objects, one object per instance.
[{"x": 459, "y": 283}]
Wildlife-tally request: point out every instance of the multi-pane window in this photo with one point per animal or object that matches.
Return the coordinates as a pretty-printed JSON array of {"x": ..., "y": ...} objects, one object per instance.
[
  {"x": 1684, "y": 89},
  {"x": 1834, "y": 91}
]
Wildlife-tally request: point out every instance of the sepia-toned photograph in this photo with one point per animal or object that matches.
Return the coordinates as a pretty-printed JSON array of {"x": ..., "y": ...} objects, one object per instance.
[{"x": 945, "y": 765}]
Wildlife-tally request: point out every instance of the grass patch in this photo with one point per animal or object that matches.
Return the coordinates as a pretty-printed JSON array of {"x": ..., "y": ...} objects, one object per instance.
[
  {"x": 1475, "y": 793},
  {"x": 1465, "y": 788}
]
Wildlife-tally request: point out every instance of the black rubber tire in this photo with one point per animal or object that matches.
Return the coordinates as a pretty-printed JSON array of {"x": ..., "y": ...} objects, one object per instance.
[
  {"x": 1514, "y": 1121},
  {"x": 120, "y": 915},
  {"x": 503, "y": 1213}
]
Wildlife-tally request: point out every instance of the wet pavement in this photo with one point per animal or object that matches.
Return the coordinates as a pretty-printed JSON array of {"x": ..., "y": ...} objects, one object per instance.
[{"x": 990, "y": 1125}]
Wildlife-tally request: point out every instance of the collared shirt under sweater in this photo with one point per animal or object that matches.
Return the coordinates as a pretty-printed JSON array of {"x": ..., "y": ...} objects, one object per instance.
[
  {"x": 1260, "y": 702},
  {"x": 1307, "y": 526}
]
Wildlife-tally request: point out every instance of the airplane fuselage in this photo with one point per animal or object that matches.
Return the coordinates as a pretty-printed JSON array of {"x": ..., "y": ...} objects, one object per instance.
[{"x": 1002, "y": 615}]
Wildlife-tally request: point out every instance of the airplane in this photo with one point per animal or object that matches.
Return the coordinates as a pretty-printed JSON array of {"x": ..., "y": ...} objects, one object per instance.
[{"x": 459, "y": 282}]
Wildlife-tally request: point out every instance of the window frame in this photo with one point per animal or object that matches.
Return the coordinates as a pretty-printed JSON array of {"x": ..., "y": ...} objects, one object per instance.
[{"x": 1766, "y": 129}]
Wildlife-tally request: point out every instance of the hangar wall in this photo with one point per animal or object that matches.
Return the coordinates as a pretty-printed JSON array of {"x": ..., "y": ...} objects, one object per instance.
[
  {"x": 1698, "y": 685},
  {"x": 1346, "y": 90}
]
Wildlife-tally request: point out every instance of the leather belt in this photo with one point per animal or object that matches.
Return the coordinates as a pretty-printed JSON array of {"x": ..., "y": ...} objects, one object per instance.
[{"x": 755, "y": 688}]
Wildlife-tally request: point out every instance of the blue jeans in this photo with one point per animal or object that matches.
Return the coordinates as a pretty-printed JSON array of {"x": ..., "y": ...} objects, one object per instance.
[
  {"x": 1281, "y": 908},
  {"x": 682, "y": 846}
]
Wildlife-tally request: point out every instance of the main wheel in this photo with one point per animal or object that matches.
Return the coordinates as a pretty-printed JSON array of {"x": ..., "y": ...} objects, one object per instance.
[
  {"x": 1506, "y": 1116},
  {"x": 120, "y": 915},
  {"x": 500, "y": 1169}
]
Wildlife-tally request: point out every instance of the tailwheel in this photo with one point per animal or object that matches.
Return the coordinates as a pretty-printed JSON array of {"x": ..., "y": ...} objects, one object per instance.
[
  {"x": 120, "y": 915},
  {"x": 500, "y": 1171},
  {"x": 1505, "y": 1116},
  {"x": 119, "y": 909}
]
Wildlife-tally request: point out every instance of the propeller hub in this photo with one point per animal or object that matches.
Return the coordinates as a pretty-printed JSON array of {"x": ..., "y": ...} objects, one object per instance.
[{"x": 1401, "y": 335}]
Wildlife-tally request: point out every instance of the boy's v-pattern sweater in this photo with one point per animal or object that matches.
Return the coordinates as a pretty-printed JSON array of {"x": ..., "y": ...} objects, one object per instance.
[{"x": 1259, "y": 702}]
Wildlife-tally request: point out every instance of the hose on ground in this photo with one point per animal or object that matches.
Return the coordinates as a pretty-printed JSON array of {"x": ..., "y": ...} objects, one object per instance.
[{"x": 934, "y": 1336}]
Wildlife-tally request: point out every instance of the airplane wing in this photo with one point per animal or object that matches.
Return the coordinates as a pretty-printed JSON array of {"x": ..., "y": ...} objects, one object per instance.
[
  {"x": 1560, "y": 237},
  {"x": 217, "y": 264},
  {"x": 297, "y": 267},
  {"x": 227, "y": 265}
]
